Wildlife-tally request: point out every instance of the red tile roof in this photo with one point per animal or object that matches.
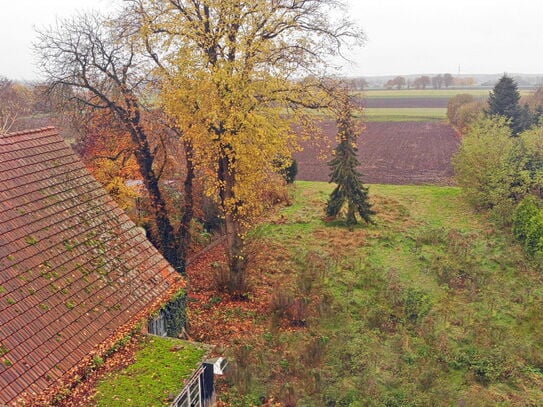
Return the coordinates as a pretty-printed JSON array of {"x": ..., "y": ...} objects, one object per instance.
[{"x": 75, "y": 272}]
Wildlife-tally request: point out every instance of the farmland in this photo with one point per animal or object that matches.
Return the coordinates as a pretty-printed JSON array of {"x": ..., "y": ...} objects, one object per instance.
[
  {"x": 391, "y": 153},
  {"x": 406, "y": 140}
]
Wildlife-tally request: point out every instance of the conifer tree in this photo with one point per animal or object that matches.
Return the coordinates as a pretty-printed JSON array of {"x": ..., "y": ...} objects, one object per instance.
[
  {"x": 349, "y": 190},
  {"x": 504, "y": 101}
]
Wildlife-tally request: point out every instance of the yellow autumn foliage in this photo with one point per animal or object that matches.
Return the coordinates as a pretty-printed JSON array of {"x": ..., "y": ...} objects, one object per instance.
[
  {"x": 230, "y": 82},
  {"x": 231, "y": 74}
]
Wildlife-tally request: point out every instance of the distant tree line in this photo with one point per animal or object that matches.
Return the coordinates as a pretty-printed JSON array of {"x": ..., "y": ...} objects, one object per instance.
[
  {"x": 422, "y": 82},
  {"x": 356, "y": 83}
]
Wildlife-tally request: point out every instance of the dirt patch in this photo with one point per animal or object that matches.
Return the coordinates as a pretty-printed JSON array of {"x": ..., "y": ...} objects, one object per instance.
[{"x": 390, "y": 153}]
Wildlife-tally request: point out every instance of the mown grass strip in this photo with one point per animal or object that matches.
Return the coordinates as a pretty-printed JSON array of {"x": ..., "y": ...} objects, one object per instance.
[{"x": 404, "y": 114}]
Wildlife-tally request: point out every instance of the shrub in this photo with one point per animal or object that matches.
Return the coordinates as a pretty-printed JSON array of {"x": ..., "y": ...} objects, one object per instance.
[
  {"x": 287, "y": 168},
  {"x": 417, "y": 304},
  {"x": 290, "y": 172},
  {"x": 534, "y": 235},
  {"x": 431, "y": 236},
  {"x": 455, "y": 103},
  {"x": 489, "y": 167},
  {"x": 298, "y": 313},
  {"x": 226, "y": 281},
  {"x": 242, "y": 375},
  {"x": 467, "y": 114},
  {"x": 522, "y": 217},
  {"x": 275, "y": 192},
  {"x": 532, "y": 146},
  {"x": 211, "y": 214},
  {"x": 456, "y": 272},
  {"x": 281, "y": 302},
  {"x": 488, "y": 366},
  {"x": 314, "y": 351},
  {"x": 381, "y": 318}
]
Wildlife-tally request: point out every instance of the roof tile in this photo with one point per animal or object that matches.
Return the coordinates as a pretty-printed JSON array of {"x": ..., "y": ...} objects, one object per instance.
[{"x": 74, "y": 269}]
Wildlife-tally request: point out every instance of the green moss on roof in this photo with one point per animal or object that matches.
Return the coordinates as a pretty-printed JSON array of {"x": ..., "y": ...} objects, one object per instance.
[{"x": 161, "y": 368}]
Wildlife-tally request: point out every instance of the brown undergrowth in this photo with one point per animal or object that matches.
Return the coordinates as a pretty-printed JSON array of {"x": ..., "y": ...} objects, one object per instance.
[{"x": 270, "y": 328}]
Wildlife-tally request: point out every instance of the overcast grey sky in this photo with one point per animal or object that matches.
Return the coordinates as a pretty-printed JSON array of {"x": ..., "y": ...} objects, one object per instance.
[{"x": 404, "y": 36}]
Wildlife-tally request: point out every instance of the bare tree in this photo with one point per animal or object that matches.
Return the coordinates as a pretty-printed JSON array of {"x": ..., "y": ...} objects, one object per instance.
[
  {"x": 437, "y": 81},
  {"x": 98, "y": 59},
  {"x": 398, "y": 81},
  {"x": 422, "y": 82},
  {"x": 15, "y": 102},
  {"x": 448, "y": 80}
]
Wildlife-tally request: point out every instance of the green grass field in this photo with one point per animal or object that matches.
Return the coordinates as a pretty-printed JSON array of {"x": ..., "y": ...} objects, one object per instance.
[
  {"x": 414, "y": 114},
  {"x": 430, "y": 306},
  {"x": 410, "y": 114},
  {"x": 437, "y": 93}
]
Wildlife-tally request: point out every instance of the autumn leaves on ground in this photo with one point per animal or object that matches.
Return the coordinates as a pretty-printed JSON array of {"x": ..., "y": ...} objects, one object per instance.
[{"x": 429, "y": 306}]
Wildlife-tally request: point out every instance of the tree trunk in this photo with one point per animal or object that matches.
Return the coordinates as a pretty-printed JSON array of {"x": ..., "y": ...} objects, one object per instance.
[
  {"x": 188, "y": 207},
  {"x": 236, "y": 257},
  {"x": 234, "y": 238},
  {"x": 351, "y": 217},
  {"x": 167, "y": 241}
]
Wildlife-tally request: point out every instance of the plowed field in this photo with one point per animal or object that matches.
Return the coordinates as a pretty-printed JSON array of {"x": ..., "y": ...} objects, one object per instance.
[{"x": 391, "y": 153}]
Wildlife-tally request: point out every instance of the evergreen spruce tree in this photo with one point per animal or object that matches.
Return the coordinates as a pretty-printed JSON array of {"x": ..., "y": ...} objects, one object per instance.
[
  {"x": 349, "y": 190},
  {"x": 504, "y": 101}
]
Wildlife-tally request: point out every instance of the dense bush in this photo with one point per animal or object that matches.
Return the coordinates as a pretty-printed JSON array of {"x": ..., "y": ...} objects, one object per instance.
[
  {"x": 417, "y": 304},
  {"x": 175, "y": 314},
  {"x": 496, "y": 170},
  {"x": 534, "y": 235},
  {"x": 464, "y": 109},
  {"x": 531, "y": 147},
  {"x": 467, "y": 114},
  {"x": 290, "y": 172},
  {"x": 522, "y": 218},
  {"x": 487, "y": 366},
  {"x": 287, "y": 168},
  {"x": 489, "y": 169},
  {"x": 455, "y": 102}
]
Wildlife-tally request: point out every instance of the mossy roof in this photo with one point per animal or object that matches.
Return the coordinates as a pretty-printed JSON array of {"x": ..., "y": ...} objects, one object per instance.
[
  {"x": 159, "y": 373},
  {"x": 76, "y": 273}
]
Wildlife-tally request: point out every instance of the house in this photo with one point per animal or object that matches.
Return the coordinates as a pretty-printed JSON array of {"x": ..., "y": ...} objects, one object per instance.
[{"x": 76, "y": 274}]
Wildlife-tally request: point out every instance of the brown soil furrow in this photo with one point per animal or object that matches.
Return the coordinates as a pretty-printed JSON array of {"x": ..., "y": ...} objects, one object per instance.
[{"x": 391, "y": 153}]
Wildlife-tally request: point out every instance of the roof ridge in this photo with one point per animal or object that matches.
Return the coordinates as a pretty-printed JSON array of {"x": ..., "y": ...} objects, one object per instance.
[
  {"x": 13, "y": 138},
  {"x": 29, "y": 131}
]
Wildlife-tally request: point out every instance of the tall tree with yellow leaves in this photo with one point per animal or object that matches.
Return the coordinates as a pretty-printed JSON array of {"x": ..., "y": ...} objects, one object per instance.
[{"x": 233, "y": 84}]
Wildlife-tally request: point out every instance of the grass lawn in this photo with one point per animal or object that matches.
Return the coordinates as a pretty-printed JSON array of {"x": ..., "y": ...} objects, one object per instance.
[
  {"x": 404, "y": 114},
  {"x": 429, "y": 306}
]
